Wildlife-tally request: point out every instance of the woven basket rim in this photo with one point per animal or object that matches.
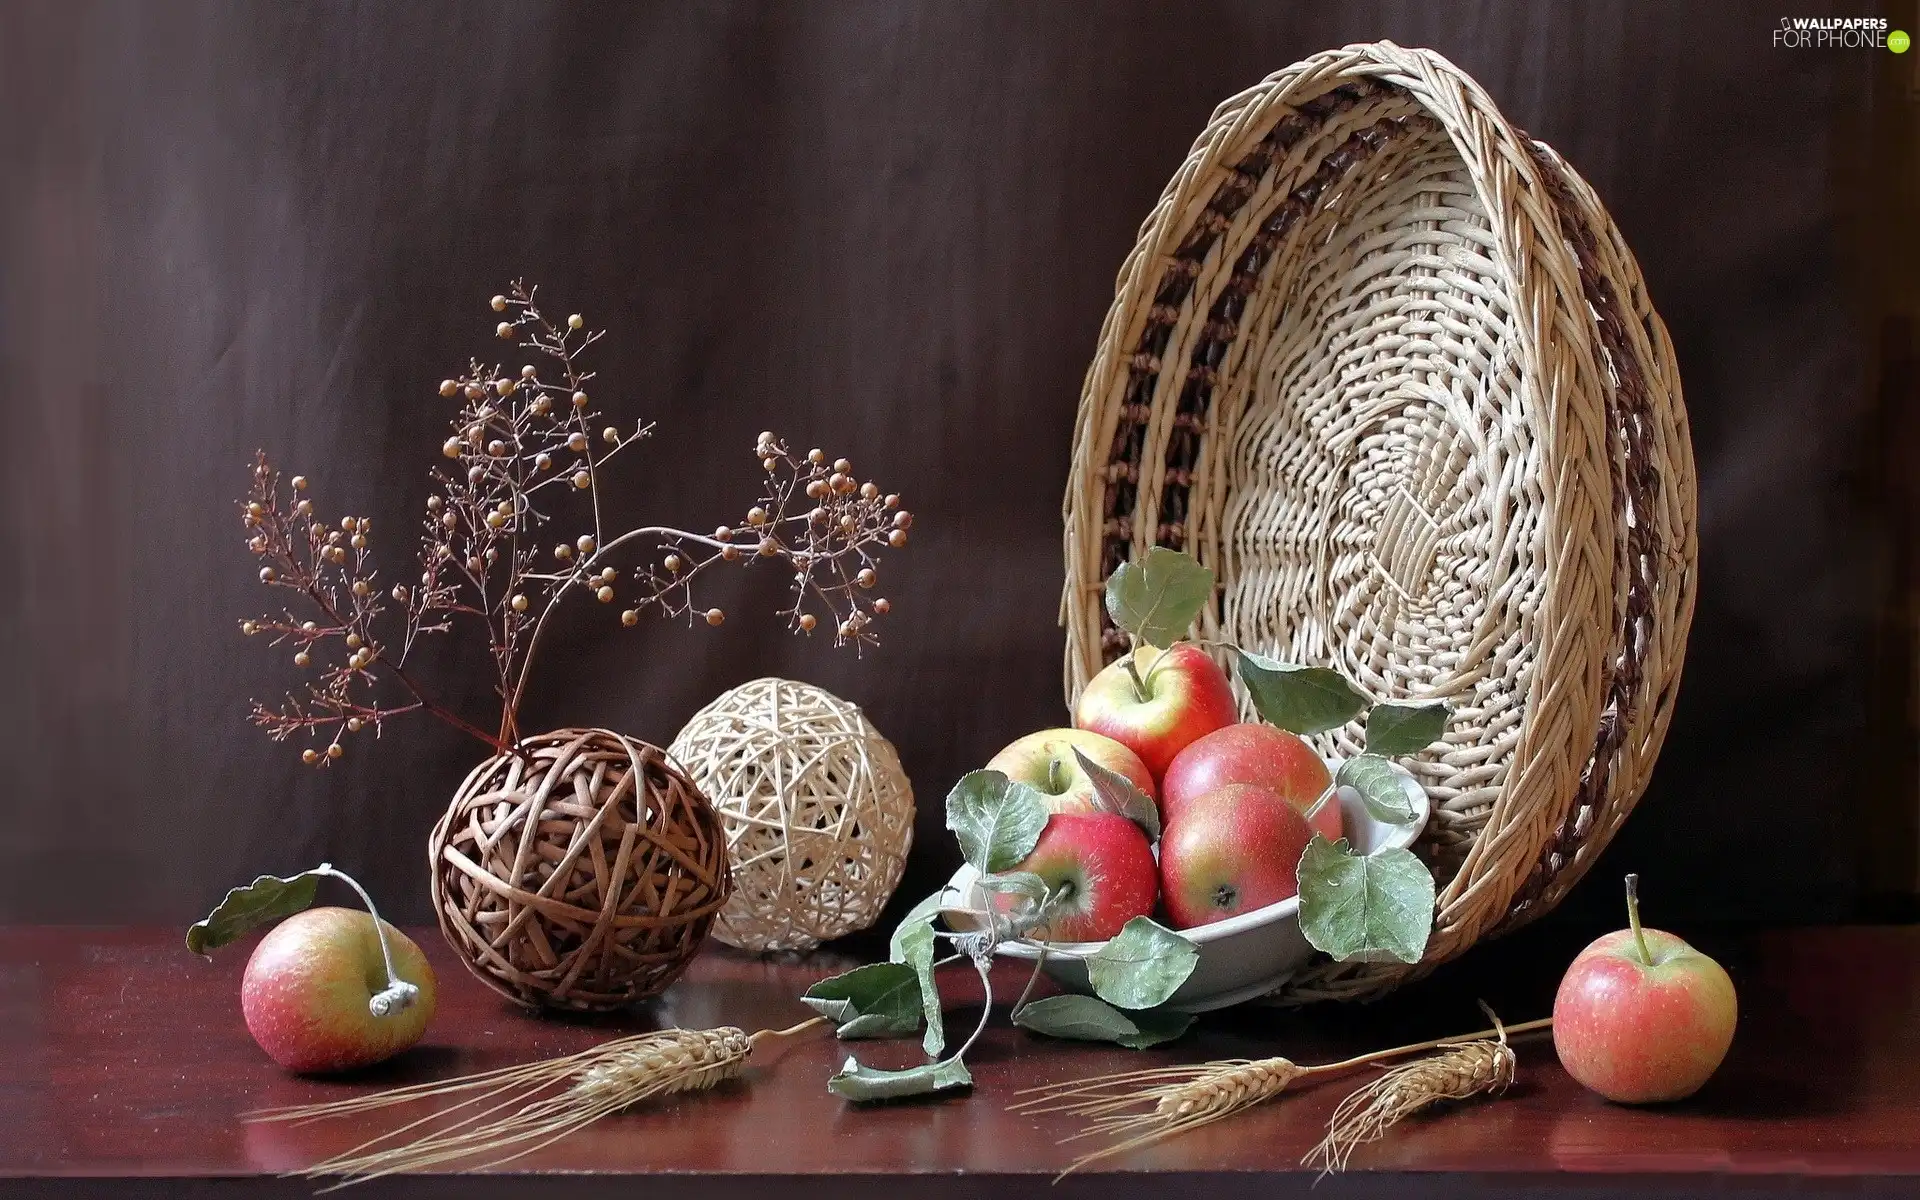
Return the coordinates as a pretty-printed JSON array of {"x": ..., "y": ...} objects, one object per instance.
[{"x": 1562, "y": 255}]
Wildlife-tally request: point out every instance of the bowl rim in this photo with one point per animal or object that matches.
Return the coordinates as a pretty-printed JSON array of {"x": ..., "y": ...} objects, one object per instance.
[{"x": 1398, "y": 837}]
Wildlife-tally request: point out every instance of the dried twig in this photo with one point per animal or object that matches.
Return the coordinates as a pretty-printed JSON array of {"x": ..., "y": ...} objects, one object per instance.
[{"x": 523, "y": 443}]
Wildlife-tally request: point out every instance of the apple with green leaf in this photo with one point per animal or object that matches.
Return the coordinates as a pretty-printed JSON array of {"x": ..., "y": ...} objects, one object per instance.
[
  {"x": 1641, "y": 1017},
  {"x": 1164, "y": 692},
  {"x": 328, "y": 989},
  {"x": 1230, "y": 851},
  {"x": 1047, "y": 762},
  {"x": 1158, "y": 702}
]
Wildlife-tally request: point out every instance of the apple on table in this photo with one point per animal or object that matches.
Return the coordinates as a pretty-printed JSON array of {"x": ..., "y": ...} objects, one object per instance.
[
  {"x": 328, "y": 989},
  {"x": 1156, "y": 702},
  {"x": 1641, "y": 1017},
  {"x": 308, "y": 990},
  {"x": 1045, "y": 762}
]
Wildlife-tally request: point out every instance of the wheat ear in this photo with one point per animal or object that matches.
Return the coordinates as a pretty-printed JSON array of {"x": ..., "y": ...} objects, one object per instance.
[
  {"x": 1137, "y": 1108},
  {"x": 514, "y": 1111}
]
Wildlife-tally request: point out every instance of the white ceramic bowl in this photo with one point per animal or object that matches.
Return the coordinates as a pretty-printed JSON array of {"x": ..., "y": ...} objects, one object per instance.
[{"x": 1249, "y": 955}]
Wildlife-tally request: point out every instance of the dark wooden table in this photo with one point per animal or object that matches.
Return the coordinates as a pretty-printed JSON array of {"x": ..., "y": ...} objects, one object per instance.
[{"x": 124, "y": 1061}]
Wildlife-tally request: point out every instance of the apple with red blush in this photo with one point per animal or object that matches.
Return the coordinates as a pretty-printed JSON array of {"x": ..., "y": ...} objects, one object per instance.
[
  {"x": 1255, "y": 753},
  {"x": 1045, "y": 762},
  {"x": 1642, "y": 1017},
  {"x": 1157, "y": 702},
  {"x": 1230, "y": 851},
  {"x": 1099, "y": 871},
  {"x": 308, "y": 994},
  {"x": 327, "y": 989}
]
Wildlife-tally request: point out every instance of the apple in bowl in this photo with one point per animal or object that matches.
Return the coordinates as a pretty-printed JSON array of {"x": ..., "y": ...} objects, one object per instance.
[
  {"x": 1045, "y": 762},
  {"x": 1259, "y": 754},
  {"x": 1244, "y": 956},
  {"x": 1100, "y": 870},
  {"x": 1156, "y": 702},
  {"x": 1231, "y": 851}
]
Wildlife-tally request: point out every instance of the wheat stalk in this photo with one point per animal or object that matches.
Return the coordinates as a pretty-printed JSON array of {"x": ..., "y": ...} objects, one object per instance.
[
  {"x": 1483, "y": 1067},
  {"x": 1137, "y": 1108},
  {"x": 505, "y": 1114}
]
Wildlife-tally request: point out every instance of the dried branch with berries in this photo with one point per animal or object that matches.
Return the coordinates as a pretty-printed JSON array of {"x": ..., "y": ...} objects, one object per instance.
[{"x": 526, "y": 444}]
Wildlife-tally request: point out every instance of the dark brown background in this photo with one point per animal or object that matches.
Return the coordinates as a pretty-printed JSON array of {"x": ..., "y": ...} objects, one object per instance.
[{"x": 891, "y": 230}]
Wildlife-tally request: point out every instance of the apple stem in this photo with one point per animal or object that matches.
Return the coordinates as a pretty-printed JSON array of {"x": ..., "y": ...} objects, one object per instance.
[
  {"x": 1633, "y": 919},
  {"x": 1139, "y": 684},
  {"x": 398, "y": 994}
]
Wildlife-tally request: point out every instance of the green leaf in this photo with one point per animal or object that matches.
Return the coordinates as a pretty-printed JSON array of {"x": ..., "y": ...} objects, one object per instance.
[
  {"x": 922, "y": 913},
  {"x": 1024, "y": 884},
  {"x": 1365, "y": 908},
  {"x": 996, "y": 820},
  {"x": 1142, "y": 965},
  {"x": 1157, "y": 598},
  {"x": 1302, "y": 699},
  {"x": 1379, "y": 786},
  {"x": 914, "y": 946},
  {"x": 267, "y": 898},
  {"x": 1116, "y": 793},
  {"x": 864, "y": 1085},
  {"x": 1404, "y": 728},
  {"x": 877, "y": 1000},
  {"x": 1085, "y": 1019}
]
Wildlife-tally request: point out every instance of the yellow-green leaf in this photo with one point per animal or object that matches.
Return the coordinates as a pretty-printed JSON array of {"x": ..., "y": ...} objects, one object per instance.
[
  {"x": 1086, "y": 1019},
  {"x": 1142, "y": 965},
  {"x": 1394, "y": 728},
  {"x": 864, "y": 1085},
  {"x": 996, "y": 820}
]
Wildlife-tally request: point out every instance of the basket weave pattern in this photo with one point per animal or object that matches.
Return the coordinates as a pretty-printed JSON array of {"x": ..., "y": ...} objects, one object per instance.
[
  {"x": 1384, "y": 363},
  {"x": 582, "y": 872}
]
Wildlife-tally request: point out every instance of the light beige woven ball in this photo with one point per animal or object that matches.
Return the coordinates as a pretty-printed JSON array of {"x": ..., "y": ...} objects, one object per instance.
[{"x": 817, "y": 812}]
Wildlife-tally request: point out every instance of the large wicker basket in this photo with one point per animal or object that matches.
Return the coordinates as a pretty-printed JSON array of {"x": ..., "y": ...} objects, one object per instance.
[{"x": 1384, "y": 363}]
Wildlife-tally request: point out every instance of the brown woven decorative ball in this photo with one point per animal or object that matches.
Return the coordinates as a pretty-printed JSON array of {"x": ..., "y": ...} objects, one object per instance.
[{"x": 581, "y": 873}]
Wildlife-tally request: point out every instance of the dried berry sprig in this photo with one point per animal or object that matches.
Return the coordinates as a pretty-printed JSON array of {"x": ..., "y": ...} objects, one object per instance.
[
  {"x": 330, "y": 566},
  {"x": 523, "y": 442}
]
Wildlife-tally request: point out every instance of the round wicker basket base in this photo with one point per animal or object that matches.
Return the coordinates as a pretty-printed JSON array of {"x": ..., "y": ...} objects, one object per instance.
[{"x": 1384, "y": 363}]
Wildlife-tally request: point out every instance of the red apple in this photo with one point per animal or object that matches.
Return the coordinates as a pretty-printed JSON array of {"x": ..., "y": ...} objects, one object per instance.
[
  {"x": 1100, "y": 867},
  {"x": 1254, "y": 753},
  {"x": 1185, "y": 697},
  {"x": 1045, "y": 761},
  {"x": 1230, "y": 851},
  {"x": 1642, "y": 1017},
  {"x": 308, "y": 985}
]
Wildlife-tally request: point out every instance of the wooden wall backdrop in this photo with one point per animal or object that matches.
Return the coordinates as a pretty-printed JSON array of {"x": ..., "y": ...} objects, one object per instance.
[{"x": 887, "y": 228}]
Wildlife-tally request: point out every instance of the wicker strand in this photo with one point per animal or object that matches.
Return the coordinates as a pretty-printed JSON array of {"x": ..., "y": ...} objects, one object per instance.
[
  {"x": 581, "y": 872},
  {"x": 817, "y": 810}
]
